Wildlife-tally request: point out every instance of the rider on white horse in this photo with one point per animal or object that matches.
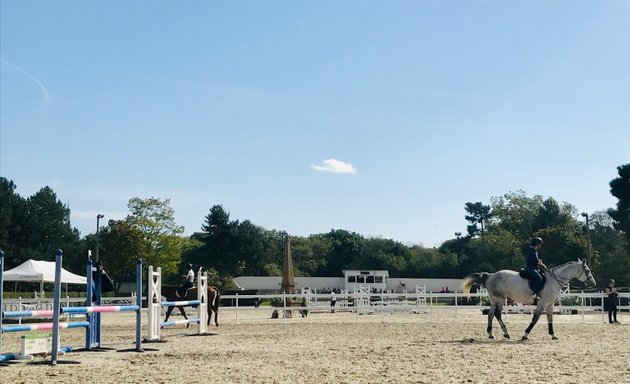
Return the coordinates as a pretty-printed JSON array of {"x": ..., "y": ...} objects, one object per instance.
[{"x": 534, "y": 265}]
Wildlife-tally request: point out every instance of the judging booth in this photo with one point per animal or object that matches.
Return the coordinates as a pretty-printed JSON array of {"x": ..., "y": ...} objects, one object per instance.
[{"x": 375, "y": 280}]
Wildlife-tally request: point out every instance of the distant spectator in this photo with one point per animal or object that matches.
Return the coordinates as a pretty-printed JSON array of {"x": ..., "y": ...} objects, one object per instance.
[
  {"x": 610, "y": 303},
  {"x": 333, "y": 300}
]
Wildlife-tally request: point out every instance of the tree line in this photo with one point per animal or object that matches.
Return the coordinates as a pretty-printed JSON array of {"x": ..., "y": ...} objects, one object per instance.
[{"x": 497, "y": 236}]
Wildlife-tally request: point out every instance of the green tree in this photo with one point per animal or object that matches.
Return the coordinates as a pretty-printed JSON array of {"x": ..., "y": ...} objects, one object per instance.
[
  {"x": 308, "y": 254},
  {"x": 120, "y": 246},
  {"x": 378, "y": 253},
  {"x": 620, "y": 188},
  {"x": 13, "y": 217},
  {"x": 48, "y": 229},
  {"x": 218, "y": 234},
  {"x": 154, "y": 217},
  {"x": 611, "y": 259},
  {"x": 477, "y": 214},
  {"x": 346, "y": 247},
  {"x": 551, "y": 214},
  {"x": 516, "y": 213}
]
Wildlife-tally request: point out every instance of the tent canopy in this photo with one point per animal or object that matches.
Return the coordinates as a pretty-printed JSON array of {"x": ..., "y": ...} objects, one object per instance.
[{"x": 41, "y": 272}]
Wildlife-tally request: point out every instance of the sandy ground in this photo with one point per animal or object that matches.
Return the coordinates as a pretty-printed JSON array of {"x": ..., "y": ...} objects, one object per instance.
[{"x": 441, "y": 346}]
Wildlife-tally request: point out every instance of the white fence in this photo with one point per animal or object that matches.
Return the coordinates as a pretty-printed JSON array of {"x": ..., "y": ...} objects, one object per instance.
[{"x": 418, "y": 302}]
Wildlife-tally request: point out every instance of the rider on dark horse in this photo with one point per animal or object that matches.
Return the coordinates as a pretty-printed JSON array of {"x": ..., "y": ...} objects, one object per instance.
[
  {"x": 189, "y": 278},
  {"x": 534, "y": 266}
]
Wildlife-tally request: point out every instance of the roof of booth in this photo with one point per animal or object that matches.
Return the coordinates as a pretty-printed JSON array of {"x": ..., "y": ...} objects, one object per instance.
[{"x": 41, "y": 271}]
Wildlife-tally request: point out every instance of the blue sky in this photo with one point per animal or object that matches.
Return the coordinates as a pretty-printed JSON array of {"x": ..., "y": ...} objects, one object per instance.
[{"x": 379, "y": 117}]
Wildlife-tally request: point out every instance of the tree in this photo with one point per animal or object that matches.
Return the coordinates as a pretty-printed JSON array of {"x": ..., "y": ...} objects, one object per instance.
[
  {"x": 120, "y": 246},
  {"x": 217, "y": 238},
  {"x": 13, "y": 217},
  {"x": 47, "y": 228},
  {"x": 551, "y": 214},
  {"x": 477, "y": 214},
  {"x": 346, "y": 247},
  {"x": 611, "y": 260},
  {"x": 155, "y": 219},
  {"x": 516, "y": 213},
  {"x": 620, "y": 188}
]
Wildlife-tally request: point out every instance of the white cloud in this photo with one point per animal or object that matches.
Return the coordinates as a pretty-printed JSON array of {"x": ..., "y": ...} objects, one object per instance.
[{"x": 335, "y": 166}]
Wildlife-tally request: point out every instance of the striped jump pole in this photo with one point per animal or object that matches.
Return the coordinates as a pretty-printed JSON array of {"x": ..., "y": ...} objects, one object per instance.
[
  {"x": 155, "y": 305},
  {"x": 14, "y": 356},
  {"x": 44, "y": 326}
]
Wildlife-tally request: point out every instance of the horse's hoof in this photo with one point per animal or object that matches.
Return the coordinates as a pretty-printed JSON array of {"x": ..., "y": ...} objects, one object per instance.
[
  {"x": 554, "y": 337},
  {"x": 524, "y": 338},
  {"x": 506, "y": 336},
  {"x": 491, "y": 337}
]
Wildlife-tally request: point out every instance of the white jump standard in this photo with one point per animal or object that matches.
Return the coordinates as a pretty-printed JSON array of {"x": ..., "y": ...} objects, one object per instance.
[{"x": 155, "y": 305}]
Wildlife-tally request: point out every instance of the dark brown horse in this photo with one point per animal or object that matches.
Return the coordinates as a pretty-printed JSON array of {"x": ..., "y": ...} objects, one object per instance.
[{"x": 213, "y": 298}]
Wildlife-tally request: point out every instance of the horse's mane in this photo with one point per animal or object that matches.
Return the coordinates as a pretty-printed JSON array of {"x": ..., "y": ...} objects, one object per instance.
[{"x": 562, "y": 265}]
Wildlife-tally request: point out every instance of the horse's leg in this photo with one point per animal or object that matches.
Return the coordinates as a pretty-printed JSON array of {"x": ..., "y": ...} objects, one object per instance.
[
  {"x": 539, "y": 310},
  {"x": 168, "y": 313},
  {"x": 183, "y": 313},
  {"x": 497, "y": 314},
  {"x": 216, "y": 313},
  {"x": 215, "y": 308},
  {"x": 550, "y": 321},
  {"x": 493, "y": 307}
]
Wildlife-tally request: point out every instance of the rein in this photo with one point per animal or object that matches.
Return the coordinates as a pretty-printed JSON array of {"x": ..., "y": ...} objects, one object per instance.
[{"x": 564, "y": 284}]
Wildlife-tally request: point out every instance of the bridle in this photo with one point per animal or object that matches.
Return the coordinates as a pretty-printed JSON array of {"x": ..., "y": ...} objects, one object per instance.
[{"x": 564, "y": 281}]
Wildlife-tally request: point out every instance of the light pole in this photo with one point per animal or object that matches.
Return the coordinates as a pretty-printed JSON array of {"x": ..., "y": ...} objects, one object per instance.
[
  {"x": 588, "y": 237},
  {"x": 459, "y": 249},
  {"x": 98, "y": 217}
]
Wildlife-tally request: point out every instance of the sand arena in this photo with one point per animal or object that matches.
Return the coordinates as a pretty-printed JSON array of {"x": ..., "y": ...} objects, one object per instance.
[{"x": 442, "y": 346}]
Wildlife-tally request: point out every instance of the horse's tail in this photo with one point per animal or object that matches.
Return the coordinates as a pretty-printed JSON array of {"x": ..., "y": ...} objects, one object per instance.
[
  {"x": 217, "y": 299},
  {"x": 214, "y": 305},
  {"x": 475, "y": 278}
]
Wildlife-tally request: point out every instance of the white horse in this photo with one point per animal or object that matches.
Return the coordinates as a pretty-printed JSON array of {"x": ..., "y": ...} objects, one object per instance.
[{"x": 506, "y": 283}]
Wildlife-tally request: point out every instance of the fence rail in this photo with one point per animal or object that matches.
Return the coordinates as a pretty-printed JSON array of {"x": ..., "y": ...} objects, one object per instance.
[{"x": 580, "y": 303}]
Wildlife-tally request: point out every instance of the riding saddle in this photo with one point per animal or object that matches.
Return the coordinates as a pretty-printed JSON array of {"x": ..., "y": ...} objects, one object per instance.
[{"x": 526, "y": 275}]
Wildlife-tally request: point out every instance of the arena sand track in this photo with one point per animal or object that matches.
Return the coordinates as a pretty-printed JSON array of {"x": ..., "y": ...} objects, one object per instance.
[{"x": 438, "y": 347}]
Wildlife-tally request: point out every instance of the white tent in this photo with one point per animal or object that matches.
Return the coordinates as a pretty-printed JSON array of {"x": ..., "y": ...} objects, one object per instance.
[{"x": 41, "y": 272}]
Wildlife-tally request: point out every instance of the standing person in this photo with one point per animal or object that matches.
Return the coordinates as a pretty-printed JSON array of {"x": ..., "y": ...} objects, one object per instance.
[
  {"x": 534, "y": 265},
  {"x": 611, "y": 301},
  {"x": 188, "y": 278},
  {"x": 333, "y": 300}
]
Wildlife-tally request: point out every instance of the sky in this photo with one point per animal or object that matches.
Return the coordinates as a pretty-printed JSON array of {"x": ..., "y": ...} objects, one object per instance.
[{"x": 379, "y": 117}]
